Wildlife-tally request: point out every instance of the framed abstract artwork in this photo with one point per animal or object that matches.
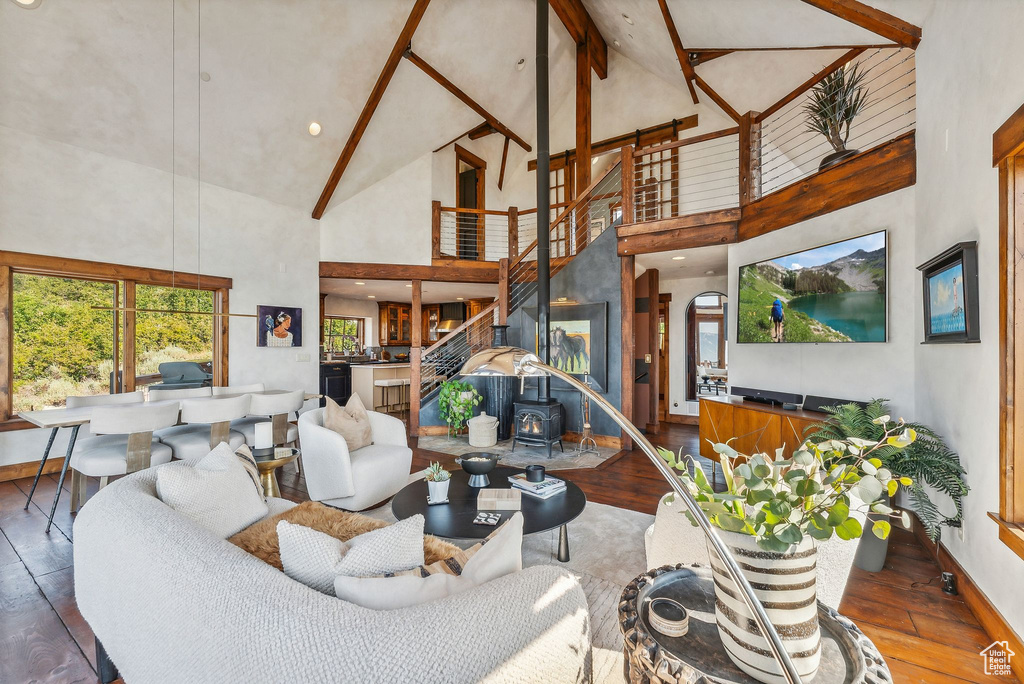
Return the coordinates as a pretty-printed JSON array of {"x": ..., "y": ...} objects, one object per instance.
[{"x": 950, "y": 289}]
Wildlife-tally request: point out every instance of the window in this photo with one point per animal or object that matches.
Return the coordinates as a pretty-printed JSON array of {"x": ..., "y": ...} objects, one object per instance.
[
  {"x": 343, "y": 334},
  {"x": 61, "y": 344}
]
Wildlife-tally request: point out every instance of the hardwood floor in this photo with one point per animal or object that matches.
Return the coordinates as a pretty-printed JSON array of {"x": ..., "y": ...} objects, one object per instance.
[{"x": 924, "y": 634}]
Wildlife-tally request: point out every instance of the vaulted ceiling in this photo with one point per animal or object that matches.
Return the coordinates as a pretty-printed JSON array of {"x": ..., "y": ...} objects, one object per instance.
[{"x": 97, "y": 74}]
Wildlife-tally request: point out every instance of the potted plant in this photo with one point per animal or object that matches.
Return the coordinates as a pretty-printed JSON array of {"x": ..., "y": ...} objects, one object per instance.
[
  {"x": 455, "y": 404},
  {"x": 929, "y": 460},
  {"x": 834, "y": 103},
  {"x": 771, "y": 516},
  {"x": 438, "y": 480}
]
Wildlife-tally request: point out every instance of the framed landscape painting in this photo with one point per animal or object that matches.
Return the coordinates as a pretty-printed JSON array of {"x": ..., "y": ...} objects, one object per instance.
[
  {"x": 278, "y": 326},
  {"x": 950, "y": 288},
  {"x": 578, "y": 343}
]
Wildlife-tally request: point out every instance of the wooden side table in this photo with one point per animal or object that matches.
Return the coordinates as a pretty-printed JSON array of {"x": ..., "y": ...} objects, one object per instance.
[
  {"x": 268, "y": 461},
  {"x": 848, "y": 657}
]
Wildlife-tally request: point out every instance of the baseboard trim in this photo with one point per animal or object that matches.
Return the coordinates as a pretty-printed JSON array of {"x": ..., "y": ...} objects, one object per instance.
[
  {"x": 992, "y": 621},
  {"x": 677, "y": 419},
  {"x": 16, "y": 471},
  {"x": 432, "y": 430}
]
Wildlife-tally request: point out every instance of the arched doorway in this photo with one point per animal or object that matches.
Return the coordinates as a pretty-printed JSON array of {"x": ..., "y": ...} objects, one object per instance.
[{"x": 706, "y": 344}]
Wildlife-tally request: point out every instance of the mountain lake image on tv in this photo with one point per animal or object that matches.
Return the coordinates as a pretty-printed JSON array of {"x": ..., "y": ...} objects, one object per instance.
[{"x": 834, "y": 293}]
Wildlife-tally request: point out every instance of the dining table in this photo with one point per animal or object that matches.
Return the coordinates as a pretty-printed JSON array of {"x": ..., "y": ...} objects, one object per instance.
[{"x": 54, "y": 419}]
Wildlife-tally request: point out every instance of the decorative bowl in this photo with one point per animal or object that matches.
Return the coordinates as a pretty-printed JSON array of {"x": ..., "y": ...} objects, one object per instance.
[{"x": 479, "y": 468}]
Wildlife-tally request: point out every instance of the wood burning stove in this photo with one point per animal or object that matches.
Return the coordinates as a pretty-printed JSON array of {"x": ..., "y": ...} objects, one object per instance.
[{"x": 539, "y": 423}]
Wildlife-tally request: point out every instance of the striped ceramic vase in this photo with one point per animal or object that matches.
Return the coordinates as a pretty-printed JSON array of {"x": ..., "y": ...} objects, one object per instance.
[{"x": 786, "y": 585}]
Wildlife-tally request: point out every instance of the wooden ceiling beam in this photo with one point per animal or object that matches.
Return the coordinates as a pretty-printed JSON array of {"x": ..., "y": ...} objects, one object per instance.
[
  {"x": 712, "y": 50},
  {"x": 580, "y": 25},
  {"x": 874, "y": 20},
  {"x": 681, "y": 55},
  {"x": 466, "y": 99},
  {"x": 482, "y": 131},
  {"x": 718, "y": 99},
  {"x": 504, "y": 159},
  {"x": 418, "y": 9},
  {"x": 459, "y": 137},
  {"x": 812, "y": 81},
  {"x": 646, "y": 136}
]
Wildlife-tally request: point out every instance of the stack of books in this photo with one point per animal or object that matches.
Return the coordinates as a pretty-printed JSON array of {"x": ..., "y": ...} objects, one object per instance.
[{"x": 546, "y": 489}]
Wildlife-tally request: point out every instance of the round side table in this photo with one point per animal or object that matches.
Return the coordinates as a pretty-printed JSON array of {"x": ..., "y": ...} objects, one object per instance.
[{"x": 268, "y": 461}]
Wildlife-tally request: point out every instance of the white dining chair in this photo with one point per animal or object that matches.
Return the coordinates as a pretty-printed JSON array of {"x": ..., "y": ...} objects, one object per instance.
[
  {"x": 157, "y": 394},
  {"x": 123, "y": 444},
  {"x": 205, "y": 423},
  {"x": 105, "y": 400},
  {"x": 239, "y": 389},
  {"x": 274, "y": 408}
]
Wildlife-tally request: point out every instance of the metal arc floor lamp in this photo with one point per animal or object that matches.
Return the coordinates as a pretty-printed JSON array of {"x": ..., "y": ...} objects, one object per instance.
[{"x": 515, "y": 362}]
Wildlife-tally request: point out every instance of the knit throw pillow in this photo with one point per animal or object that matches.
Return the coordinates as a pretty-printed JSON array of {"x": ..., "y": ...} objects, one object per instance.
[
  {"x": 214, "y": 491},
  {"x": 316, "y": 559},
  {"x": 350, "y": 421},
  {"x": 498, "y": 555}
]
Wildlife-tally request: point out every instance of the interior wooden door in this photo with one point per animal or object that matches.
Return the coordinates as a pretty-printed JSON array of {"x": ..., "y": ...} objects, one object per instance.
[
  {"x": 663, "y": 356},
  {"x": 469, "y": 194}
]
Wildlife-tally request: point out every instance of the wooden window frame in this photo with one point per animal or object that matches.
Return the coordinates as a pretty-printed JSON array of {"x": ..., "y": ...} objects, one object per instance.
[
  {"x": 360, "y": 331},
  {"x": 130, "y": 276},
  {"x": 1008, "y": 156}
]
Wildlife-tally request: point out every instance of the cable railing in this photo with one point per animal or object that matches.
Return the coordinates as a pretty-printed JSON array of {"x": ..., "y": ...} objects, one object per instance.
[
  {"x": 785, "y": 150},
  {"x": 687, "y": 176},
  {"x": 445, "y": 358},
  {"x": 474, "y": 234}
]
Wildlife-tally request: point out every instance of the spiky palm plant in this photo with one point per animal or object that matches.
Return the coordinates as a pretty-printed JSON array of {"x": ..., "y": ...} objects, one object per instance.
[
  {"x": 928, "y": 460},
  {"x": 835, "y": 103}
]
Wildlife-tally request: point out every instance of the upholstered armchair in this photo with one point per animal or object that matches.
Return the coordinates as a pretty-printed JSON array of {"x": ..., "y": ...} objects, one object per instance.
[{"x": 354, "y": 480}]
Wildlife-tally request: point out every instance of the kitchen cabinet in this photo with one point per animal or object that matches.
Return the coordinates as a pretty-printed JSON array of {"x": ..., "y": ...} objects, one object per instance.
[
  {"x": 335, "y": 382},
  {"x": 395, "y": 324},
  {"x": 431, "y": 317}
]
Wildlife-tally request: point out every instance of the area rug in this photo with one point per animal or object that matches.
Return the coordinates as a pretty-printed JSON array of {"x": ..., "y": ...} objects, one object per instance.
[
  {"x": 606, "y": 551},
  {"x": 523, "y": 455}
]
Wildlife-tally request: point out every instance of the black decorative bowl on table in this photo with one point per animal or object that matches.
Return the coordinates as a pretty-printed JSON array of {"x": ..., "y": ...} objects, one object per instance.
[{"x": 477, "y": 465}]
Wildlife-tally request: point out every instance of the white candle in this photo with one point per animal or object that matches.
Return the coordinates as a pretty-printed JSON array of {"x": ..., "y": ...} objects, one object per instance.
[{"x": 264, "y": 435}]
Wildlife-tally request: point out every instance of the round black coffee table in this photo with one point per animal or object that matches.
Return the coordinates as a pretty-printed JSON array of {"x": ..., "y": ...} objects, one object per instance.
[{"x": 454, "y": 520}]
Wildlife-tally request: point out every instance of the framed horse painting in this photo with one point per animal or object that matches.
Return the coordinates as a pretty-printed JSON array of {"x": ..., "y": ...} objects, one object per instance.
[{"x": 579, "y": 340}]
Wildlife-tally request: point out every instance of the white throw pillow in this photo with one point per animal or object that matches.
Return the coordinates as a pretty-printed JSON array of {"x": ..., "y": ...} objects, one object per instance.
[
  {"x": 316, "y": 559},
  {"x": 215, "y": 491},
  {"x": 501, "y": 555}
]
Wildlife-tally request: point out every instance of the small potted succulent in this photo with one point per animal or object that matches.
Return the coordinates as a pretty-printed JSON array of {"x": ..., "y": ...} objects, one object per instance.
[
  {"x": 438, "y": 480},
  {"x": 834, "y": 103},
  {"x": 771, "y": 516},
  {"x": 455, "y": 404}
]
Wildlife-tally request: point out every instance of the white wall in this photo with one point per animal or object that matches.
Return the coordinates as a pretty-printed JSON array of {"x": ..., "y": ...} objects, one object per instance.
[
  {"x": 360, "y": 308},
  {"x": 61, "y": 200},
  {"x": 683, "y": 291},
  {"x": 388, "y": 223},
  {"x": 968, "y": 75},
  {"x": 849, "y": 371}
]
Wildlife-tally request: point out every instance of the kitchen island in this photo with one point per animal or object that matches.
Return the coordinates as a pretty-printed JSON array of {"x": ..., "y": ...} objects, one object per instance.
[{"x": 365, "y": 374}]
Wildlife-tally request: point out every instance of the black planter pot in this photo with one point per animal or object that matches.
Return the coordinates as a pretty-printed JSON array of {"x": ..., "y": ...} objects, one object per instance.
[{"x": 836, "y": 157}]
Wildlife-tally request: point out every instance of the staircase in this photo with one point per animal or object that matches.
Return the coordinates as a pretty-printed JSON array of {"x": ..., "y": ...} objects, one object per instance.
[{"x": 597, "y": 209}]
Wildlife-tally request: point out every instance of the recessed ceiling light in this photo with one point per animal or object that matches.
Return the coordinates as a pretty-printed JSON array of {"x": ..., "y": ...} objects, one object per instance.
[
  {"x": 616, "y": 43},
  {"x": 314, "y": 128},
  {"x": 709, "y": 273},
  {"x": 626, "y": 18},
  {"x": 359, "y": 283},
  {"x": 563, "y": 299},
  {"x": 27, "y": 4},
  {"x": 460, "y": 298},
  {"x": 372, "y": 296},
  {"x": 521, "y": 64},
  {"x": 678, "y": 258},
  {"x": 204, "y": 76},
  {"x": 408, "y": 284}
]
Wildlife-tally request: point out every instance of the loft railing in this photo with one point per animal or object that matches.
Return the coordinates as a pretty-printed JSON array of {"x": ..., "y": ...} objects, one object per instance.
[
  {"x": 443, "y": 359},
  {"x": 480, "y": 234},
  {"x": 783, "y": 150}
]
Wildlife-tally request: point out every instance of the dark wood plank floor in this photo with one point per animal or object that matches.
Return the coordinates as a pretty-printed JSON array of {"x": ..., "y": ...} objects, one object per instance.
[{"x": 925, "y": 635}]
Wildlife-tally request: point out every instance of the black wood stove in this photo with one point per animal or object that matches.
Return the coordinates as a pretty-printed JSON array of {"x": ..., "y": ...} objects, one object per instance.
[{"x": 539, "y": 423}]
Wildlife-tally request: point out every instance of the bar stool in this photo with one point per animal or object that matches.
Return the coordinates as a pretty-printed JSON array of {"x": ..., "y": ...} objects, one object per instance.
[
  {"x": 125, "y": 444},
  {"x": 386, "y": 385},
  {"x": 406, "y": 395},
  {"x": 205, "y": 424}
]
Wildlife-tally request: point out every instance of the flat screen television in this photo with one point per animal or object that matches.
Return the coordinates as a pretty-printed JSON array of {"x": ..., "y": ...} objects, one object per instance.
[{"x": 832, "y": 293}]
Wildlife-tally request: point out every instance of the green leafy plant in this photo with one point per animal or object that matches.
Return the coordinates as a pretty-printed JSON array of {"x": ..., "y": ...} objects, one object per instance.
[
  {"x": 780, "y": 501},
  {"x": 455, "y": 408},
  {"x": 436, "y": 473},
  {"x": 835, "y": 102},
  {"x": 927, "y": 461}
]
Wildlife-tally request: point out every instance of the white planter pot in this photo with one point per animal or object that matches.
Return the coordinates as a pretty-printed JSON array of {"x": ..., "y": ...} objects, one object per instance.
[
  {"x": 466, "y": 396},
  {"x": 786, "y": 584},
  {"x": 438, "y": 491}
]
